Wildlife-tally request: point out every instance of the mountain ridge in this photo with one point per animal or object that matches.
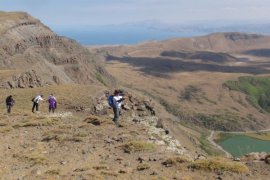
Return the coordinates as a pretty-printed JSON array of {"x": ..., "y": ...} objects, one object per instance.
[{"x": 42, "y": 57}]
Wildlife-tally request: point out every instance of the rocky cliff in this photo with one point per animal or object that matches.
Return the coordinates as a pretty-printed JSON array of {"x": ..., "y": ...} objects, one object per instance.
[{"x": 31, "y": 55}]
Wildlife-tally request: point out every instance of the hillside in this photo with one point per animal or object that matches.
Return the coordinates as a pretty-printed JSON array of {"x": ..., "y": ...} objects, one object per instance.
[
  {"x": 80, "y": 141},
  {"x": 172, "y": 98},
  {"x": 188, "y": 76},
  {"x": 31, "y": 55}
]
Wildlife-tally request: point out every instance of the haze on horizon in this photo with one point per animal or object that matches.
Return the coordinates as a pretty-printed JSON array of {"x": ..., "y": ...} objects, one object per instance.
[{"x": 62, "y": 13}]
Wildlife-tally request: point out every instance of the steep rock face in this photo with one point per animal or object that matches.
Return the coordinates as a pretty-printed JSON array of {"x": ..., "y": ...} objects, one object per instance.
[
  {"x": 32, "y": 50},
  {"x": 28, "y": 79}
]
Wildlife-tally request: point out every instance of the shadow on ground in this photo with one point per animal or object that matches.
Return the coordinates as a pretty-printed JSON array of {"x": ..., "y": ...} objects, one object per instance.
[{"x": 160, "y": 66}]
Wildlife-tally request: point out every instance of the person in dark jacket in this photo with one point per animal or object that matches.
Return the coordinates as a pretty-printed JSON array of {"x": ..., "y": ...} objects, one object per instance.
[{"x": 9, "y": 103}]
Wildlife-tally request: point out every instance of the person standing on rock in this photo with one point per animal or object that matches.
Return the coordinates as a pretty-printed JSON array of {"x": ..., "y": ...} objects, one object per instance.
[
  {"x": 9, "y": 103},
  {"x": 52, "y": 103},
  {"x": 117, "y": 103},
  {"x": 36, "y": 101}
]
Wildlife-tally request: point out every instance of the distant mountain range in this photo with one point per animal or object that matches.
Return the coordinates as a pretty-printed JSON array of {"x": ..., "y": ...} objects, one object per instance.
[
  {"x": 205, "y": 27},
  {"x": 136, "y": 32}
]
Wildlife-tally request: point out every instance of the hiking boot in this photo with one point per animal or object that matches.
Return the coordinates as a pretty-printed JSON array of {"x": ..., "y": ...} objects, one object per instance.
[{"x": 116, "y": 122}]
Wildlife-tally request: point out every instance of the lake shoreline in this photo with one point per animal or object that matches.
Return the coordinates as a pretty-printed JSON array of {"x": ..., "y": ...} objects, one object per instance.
[{"x": 255, "y": 136}]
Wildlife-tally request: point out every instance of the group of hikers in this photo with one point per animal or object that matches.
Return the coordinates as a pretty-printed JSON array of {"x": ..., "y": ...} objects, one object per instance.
[
  {"x": 115, "y": 101},
  {"x": 36, "y": 100}
]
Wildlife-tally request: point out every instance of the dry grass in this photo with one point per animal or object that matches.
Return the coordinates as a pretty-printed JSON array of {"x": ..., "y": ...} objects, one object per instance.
[
  {"x": 38, "y": 121},
  {"x": 218, "y": 164},
  {"x": 67, "y": 97},
  {"x": 262, "y": 135},
  {"x": 135, "y": 146},
  {"x": 4, "y": 129},
  {"x": 143, "y": 166},
  {"x": 33, "y": 157},
  {"x": 171, "y": 161},
  {"x": 109, "y": 173},
  {"x": 101, "y": 167},
  {"x": 61, "y": 136},
  {"x": 53, "y": 172}
]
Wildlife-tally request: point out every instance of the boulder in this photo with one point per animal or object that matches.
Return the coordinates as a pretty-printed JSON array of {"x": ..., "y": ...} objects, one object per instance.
[{"x": 256, "y": 156}]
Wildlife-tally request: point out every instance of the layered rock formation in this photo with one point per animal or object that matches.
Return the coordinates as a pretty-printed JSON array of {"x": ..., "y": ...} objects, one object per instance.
[{"x": 31, "y": 55}]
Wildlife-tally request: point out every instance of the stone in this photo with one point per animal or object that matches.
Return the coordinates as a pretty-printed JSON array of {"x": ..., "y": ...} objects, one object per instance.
[
  {"x": 63, "y": 162},
  {"x": 93, "y": 120},
  {"x": 140, "y": 159},
  {"x": 267, "y": 159},
  {"x": 200, "y": 156},
  {"x": 159, "y": 124},
  {"x": 56, "y": 79},
  {"x": 11, "y": 84},
  {"x": 122, "y": 171},
  {"x": 154, "y": 173},
  {"x": 98, "y": 107},
  {"x": 126, "y": 107}
]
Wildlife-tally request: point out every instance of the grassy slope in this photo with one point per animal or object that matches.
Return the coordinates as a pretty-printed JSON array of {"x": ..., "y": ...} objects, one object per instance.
[
  {"x": 38, "y": 146},
  {"x": 257, "y": 90},
  {"x": 68, "y": 96}
]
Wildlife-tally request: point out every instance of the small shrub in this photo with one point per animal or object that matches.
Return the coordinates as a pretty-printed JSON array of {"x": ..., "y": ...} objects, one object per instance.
[
  {"x": 109, "y": 173},
  {"x": 101, "y": 167},
  {"x": 142, "y": 167},
  {"x": 175, "y": 160},
  {"x": 135, "y": 146},
  {"x": 100, "y": 79},
  {"x": 53, "y": 172}
]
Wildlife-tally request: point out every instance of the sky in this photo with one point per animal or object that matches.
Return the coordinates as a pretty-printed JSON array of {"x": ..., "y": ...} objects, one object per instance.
[{"x": 63, "y": 13}]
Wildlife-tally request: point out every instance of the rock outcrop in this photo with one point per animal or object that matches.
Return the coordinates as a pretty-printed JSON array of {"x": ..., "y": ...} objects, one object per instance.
[{"x": 35, "y": 56}]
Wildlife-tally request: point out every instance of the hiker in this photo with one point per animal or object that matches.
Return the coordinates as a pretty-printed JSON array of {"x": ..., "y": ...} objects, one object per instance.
[
  {"x": 115, "y": 101},
  {"x": 9, "y": 103},
  {"x": 36, "y": 102},
  {"x": 52, "y": 103},
  {"x": 120, "y": 98}
]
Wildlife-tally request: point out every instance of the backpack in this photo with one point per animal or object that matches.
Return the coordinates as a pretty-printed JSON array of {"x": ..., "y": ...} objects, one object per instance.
[
  {"x": 110, "y": 101},
  {"x": 33, "y": 99}
]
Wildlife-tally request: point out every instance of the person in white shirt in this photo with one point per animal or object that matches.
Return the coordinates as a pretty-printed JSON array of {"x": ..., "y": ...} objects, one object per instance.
[
  {"x": 117, "y": 103},
  {"x": 36, "y": 101}
]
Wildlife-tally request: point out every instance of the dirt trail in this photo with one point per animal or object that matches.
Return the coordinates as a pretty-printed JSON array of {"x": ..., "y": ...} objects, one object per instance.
[{"x": 210, "y": 139}]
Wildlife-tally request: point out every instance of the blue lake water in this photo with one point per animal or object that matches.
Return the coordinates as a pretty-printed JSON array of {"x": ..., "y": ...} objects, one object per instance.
[{"x": 118, "y": 35}]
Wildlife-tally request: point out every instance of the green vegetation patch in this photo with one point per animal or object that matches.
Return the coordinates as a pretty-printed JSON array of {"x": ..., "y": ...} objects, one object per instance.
[
  {"x": 257, "y": 90},
  {"x": 100, "y": 79},
  {"x": 218, "y": 164},
  {"x": 227, "y": 121}
]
